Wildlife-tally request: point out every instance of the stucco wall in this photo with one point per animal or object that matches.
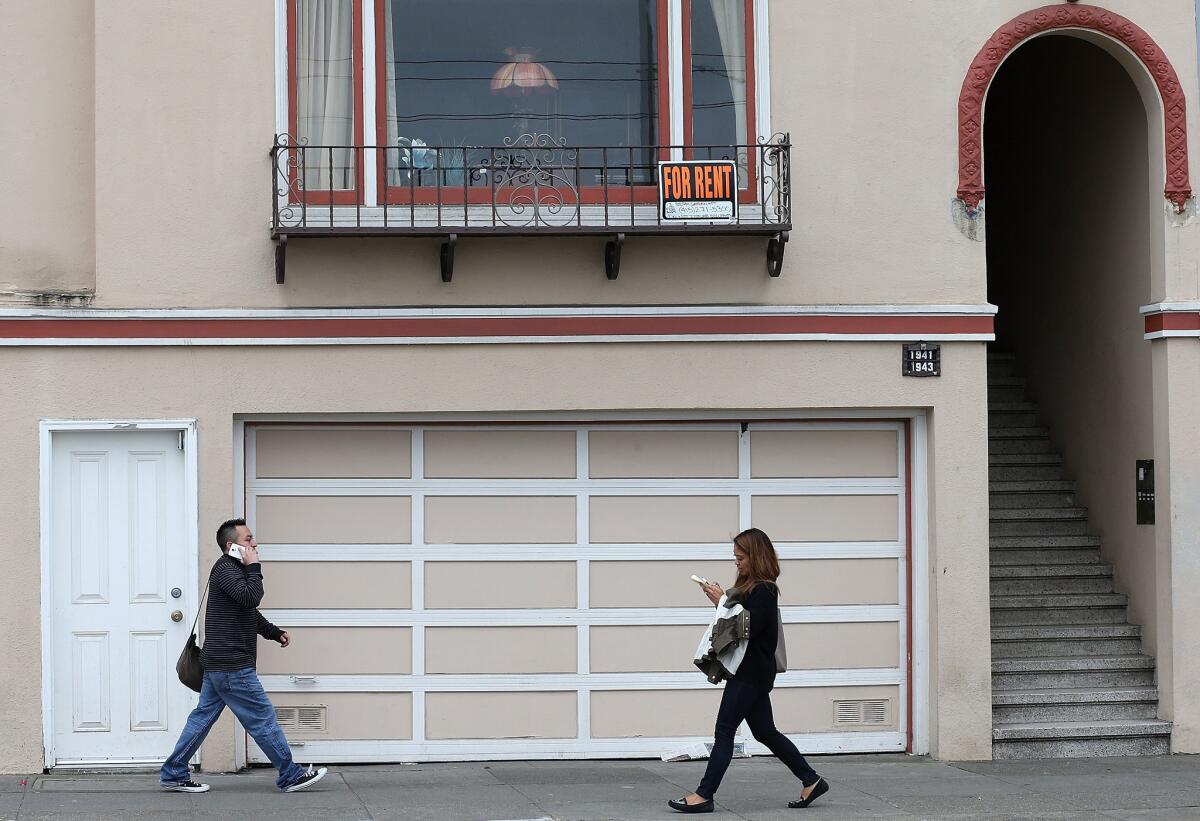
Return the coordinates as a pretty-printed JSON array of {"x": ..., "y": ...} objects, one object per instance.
[
  {"x": 214, "y": 384},
  {"x": 1177, "y": 549},
  {"x": 182, "y": 124},
  {"x": 47, "y": 243},
  {"x": 174, "y": 210}
]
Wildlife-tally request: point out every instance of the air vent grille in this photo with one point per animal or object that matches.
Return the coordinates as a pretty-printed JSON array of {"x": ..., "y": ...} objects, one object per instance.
[
  {"x": 861, "y": 711},
  {"x": 301, "y": 719}
]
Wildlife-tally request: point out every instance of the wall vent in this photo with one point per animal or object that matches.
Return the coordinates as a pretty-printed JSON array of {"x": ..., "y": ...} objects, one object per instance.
[
  {"x": 861, "y": 711},
  {"x": 301, "y": 719}
]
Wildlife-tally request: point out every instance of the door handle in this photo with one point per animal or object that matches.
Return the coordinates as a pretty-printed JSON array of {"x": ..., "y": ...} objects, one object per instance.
[{"x": 176, "y": 615}]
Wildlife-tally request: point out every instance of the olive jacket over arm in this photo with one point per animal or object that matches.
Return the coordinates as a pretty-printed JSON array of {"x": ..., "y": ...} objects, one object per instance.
[{"x": 723, "y": 645}]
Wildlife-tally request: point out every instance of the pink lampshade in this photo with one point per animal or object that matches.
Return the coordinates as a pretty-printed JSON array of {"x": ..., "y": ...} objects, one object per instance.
[{"x": 523, "y": 75}]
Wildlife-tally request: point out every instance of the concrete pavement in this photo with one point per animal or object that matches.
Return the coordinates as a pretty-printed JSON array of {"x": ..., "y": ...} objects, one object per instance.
[{"x": 863, "y": 787}]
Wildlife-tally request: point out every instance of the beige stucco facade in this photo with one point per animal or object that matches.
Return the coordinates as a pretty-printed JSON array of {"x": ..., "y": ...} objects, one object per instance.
[{"x": 137, "y": 178}]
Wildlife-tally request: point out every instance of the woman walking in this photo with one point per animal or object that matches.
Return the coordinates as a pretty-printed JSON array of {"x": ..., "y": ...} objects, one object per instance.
[{"x": 747, "y": 694}]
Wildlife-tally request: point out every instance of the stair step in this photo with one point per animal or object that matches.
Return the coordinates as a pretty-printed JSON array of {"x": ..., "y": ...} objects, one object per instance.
[
  {"x": 1066, "y": 695},
  {"x": 1038, "y": 527},
  {"x": 1006, "y": 381},
  {"x": 1052, "y": 586},
  {"x": 1081, "y": 739},
  {"x": 1092, "y": 704},
  {"x": 1071, "y": 678},
  {"x": 1043, "y": 542},
  {"x": 1050, "y": 616},
  {"x": 1013, "y": 501},
  {"x": 999, "y": 486},
  {"x": 1082, "y": 748},
  {"x": 1035, "y": 557},
  {"x": 1032, "y": 432},
  {"x": 1021, "y": 473},
  {"x": 1080, "y": 601},
  {"x": 1043, "y": 514},
  {"x": 995, "y": 459},
  {"x": 1077, "y": 672},
  {"x": 1081, "y": 729},
  {"x": 1059, "y": 648},
  {"x": 1066, "y": 631},
  {"x": 1072, "y": 664},
  {"x": 1052, "y": 571},
  {"x": 1005, "y": 394},
  {"x": 999, "y": 445},
  {"x": 1013, "y": 419}
]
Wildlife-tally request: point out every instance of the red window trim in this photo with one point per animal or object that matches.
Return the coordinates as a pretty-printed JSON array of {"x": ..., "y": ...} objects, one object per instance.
[
  {"x": 451, "y": 195},
  {"x": 750, "y": 194},
  {"x": 350, "y": 196}
]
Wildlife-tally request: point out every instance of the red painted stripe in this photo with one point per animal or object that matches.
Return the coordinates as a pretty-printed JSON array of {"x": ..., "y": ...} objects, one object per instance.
[
  {"x": 334, "y": 327},
  {"x": 1173, "y": 321}
]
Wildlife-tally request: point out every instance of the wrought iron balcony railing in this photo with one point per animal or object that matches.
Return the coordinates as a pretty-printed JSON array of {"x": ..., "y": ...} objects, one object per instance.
[{"x": 531, "y": 185}]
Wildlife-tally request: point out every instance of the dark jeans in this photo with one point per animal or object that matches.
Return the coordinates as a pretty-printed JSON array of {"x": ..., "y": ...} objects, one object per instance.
[
  {"x": 243, "y": 693},
  {"x": 743, "y": 701}
]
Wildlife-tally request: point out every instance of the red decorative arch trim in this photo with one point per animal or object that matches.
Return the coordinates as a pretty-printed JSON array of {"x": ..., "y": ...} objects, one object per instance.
[{"x": 1018, "y": 30}]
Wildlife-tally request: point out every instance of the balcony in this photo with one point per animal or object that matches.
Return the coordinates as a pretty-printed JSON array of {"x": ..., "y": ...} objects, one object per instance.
[{"x": 532, "y": 185}]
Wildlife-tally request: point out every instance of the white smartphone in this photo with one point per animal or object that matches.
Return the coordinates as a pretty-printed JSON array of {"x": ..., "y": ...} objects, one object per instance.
[
  {"x": 700, "y": 580},
  {"x": 236, "y": 552}
]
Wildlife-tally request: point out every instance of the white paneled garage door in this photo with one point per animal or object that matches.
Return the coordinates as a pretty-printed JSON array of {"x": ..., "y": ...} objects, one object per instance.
[{"x": 521, "y": 590}]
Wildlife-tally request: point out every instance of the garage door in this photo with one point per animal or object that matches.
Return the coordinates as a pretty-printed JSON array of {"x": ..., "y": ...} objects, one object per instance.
[{"x": 522, "y": 591}]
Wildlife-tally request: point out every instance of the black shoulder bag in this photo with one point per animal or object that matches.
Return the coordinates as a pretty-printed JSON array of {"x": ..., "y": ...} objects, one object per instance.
[{"x": 188, "y": 667}]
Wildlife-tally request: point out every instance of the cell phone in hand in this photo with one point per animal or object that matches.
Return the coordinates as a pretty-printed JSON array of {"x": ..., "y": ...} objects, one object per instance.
[
  {"x": 700, "y": 580},
  {"x": 236, "y": 552}
]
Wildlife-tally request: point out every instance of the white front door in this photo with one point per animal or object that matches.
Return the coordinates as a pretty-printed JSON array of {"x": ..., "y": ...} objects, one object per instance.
[{"x": 119, "y": 568}]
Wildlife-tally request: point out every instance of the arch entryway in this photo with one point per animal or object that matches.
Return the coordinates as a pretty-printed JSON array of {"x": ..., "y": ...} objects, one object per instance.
[
  {"x": 1074, "y": 118},
  {"x": 1117, "y": 30}
]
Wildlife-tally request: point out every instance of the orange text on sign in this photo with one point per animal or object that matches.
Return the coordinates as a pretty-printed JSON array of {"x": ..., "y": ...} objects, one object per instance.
[{"x": 697, "y": 182}]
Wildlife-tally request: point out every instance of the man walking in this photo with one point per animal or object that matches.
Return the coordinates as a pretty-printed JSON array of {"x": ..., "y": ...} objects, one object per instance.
[{"x": 232, "y": 625}]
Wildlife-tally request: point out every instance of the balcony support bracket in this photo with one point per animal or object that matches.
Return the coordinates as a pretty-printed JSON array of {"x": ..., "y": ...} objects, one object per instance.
[
  {"x": 775, "y": 247},
  {"x": 612, "y": 256},
  {"x": 280, "y": 258},
  {"x": 447, "y": 257}
]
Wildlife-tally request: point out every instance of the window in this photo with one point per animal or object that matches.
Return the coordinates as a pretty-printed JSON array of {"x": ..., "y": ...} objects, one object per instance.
[
  {"x": 717, "y": 80},
  {"x": 453, "y": 82},
  {"x": 325, "y": 94}
]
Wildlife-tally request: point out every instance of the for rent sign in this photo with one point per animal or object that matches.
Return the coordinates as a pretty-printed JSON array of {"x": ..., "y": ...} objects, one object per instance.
[{"x": 697, "y": 191}]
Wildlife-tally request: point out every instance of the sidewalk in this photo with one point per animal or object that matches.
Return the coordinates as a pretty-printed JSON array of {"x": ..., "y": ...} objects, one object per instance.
[{"x": 863, "y": 787}]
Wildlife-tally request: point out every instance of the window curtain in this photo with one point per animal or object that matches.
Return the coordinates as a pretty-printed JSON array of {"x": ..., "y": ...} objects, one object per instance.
[
  {"x": 325, "y": 91},
  {"x": 395, "y": 158},
  {"x": 731, "y": 29}
]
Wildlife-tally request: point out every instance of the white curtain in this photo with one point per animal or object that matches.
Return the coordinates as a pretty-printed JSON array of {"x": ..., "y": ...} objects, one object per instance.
[
  {"x": 731, "y": 29},
  {"x": 325, "y": 91},
  {"x": 394, "y": 176}
]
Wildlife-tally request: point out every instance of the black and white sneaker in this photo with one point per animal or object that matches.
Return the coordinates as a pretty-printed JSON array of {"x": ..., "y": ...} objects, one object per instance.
[
  {"x": 311, "y": 776},
  {"x": 184, "y": 786}
]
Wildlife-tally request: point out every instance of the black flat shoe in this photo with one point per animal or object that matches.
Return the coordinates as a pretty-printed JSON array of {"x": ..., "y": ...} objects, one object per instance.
[
  {"x": 817, "y": 791},
  {"x": 683, "y": 806}
]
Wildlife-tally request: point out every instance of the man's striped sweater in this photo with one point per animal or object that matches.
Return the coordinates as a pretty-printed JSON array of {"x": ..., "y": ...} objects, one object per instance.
[{"x": 232, "y": 623}]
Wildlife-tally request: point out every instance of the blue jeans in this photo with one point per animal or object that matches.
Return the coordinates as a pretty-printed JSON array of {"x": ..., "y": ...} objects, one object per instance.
[{"x": 243, "y": 693}]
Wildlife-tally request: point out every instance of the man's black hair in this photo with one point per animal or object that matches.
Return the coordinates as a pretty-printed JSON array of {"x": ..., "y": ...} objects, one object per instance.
[{"x": 227, "y": 532}]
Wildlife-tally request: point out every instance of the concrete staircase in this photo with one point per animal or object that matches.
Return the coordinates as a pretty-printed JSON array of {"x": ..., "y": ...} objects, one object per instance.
[{"x": 1069, "y": 678}]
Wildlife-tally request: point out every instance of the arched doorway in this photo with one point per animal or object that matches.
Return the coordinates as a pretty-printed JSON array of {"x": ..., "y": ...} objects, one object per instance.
[{"x": 1072, "y": 134}]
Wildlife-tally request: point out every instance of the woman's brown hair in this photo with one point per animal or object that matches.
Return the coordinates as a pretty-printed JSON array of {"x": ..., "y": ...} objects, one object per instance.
[{"x": 761, "y": 560}]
